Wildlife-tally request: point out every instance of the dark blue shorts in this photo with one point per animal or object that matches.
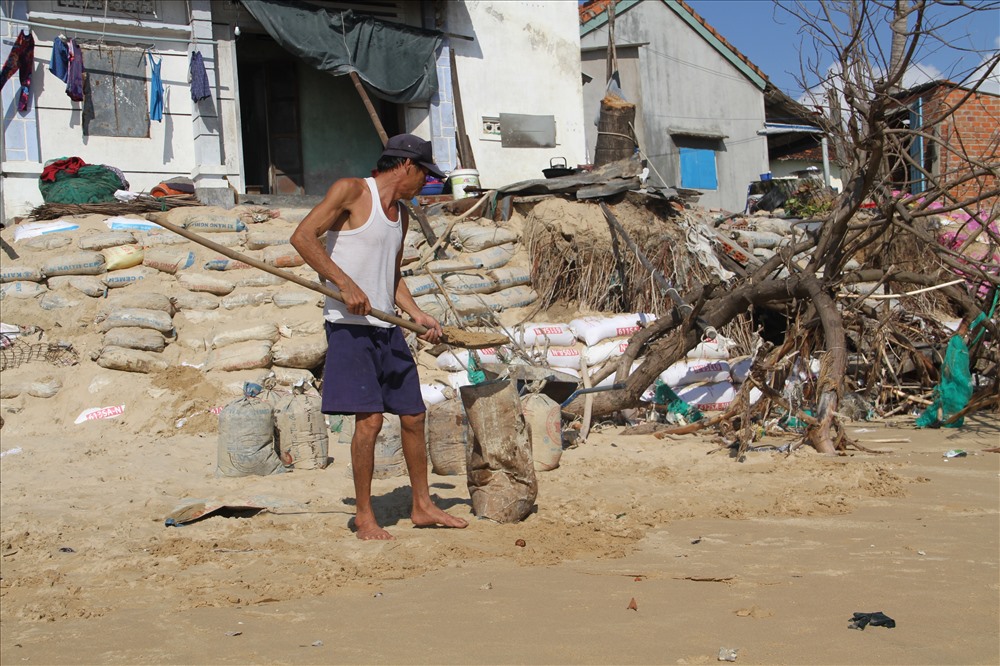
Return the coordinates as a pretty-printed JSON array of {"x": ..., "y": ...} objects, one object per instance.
[{"x": 369, "y": 369}]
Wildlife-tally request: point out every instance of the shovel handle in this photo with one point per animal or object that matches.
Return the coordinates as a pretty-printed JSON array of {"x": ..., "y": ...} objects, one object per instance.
[{"x": 291, "y": 277}]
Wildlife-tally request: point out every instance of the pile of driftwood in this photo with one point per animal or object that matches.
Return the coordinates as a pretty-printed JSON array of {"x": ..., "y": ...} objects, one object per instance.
[
  {"x": 142, "y": 204},
  {"x": 866, "y": 342}
]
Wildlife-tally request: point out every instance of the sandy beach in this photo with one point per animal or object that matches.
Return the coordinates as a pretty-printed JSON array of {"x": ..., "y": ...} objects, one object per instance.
[{"x": 770, "y": 556}]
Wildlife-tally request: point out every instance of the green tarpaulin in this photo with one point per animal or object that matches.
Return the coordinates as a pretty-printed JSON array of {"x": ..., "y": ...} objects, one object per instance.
[{"x": 396, "y": 61}]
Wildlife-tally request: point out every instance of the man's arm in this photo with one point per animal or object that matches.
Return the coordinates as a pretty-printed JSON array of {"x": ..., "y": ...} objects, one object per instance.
[
  {"x": 404, "y": 299},
  {"x": 331, "y": 214}
]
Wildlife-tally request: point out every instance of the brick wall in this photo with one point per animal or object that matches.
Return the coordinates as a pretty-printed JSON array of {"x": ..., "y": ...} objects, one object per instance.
[{"x": 972, "y": 132}]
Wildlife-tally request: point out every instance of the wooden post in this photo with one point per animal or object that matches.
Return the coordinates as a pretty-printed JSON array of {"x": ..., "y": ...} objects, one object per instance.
[
  {"x": 371, "y": 108},
  {"x": 468, "y": 159}
]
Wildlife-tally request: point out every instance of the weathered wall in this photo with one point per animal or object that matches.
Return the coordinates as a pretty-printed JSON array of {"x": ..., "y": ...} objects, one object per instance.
[
  {"x": 526, "y": 59},
  {"x": 686, "y": 86},
  {"x": 53, "y": 126},
  {"x": 973, "y": 132}
]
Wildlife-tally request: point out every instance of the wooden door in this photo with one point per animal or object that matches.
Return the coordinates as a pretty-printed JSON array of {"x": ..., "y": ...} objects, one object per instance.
[{"x": 284, "y": 138}]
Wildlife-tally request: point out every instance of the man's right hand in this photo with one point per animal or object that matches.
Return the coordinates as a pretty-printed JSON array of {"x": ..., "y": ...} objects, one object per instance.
[{"x": 355, "y": 299}]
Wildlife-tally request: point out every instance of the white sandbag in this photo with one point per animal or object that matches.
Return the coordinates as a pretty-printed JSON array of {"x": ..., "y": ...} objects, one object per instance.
[
  {"x": 122, "y": 256},
  {"x": 221, "y": 263},
  {"x": 105, "y": 239},
  {"x": 147, "y": 300},
  {"x": 282, "y": 256},
  {"x": 707, "y": 397},
  {"x": 160, "y": 238},
  {"x": 86, "y": 284},
  {"x": 124, "y": 223},
  {"x": 46, "y": 243},
  {"x": 603, "y": 351},
  {"x": 143, "y": 339},
  {"x": 448, "y": 437},
  {"x": 410, "y": 254},
  {"x": 130, "y": 360},
  {"x": 230, "y": 239},
  {"x": 75, "y": 263},
  {"x": 740, "y": 370},
  {"x": 138, "y": 317},
  {"x": 235, "y": 333},
  {"x": 469, "y": 283},
  {"x": 457, "y": 380},
  {"x": 541, "y": 334},
  {"x": 260, "y": 280},
  {"x": 563, "y": 357},
  {"x": 493, "y": 257},
  {"x": 213, "y": 224},
  {"x": 593, "y": 329},
  {"x": 433, "y": 394},
  {"x": 15, "y": 273},
  {"x": 512, "y": 297},
  {"x": 258, "y": 239},
  {"x": 21, "y": 289},
  {"x": 509, "y": 276},
  {"x": 545, "y": 427},
  {"x": 458, "y": 359},
  {"x": 240, "y": 356},
  {"x": 52, "y": 300},
  {"x": 200, "y": 282},
  {"x": 246, "y": 299},
  {"x": 127, "y": 277},
  {"x": 755, "y": 239},
  {"x": 168, "y": 260},
  {"x": 421, "y": 285},
  {"x": 449, "y": 265},
  {"x": 470, "y": 237},
  {"x": 305, "y": 352},
  {"x": 291, "y": 298},
  {"x": 302, "y": 436},
  {"x": 27, "y": 230},
  {"x": 193, "y": 301},
  {"x": 293, "y": 376},
  {"x": 45, "y": 387},
  {"x": 719, "y": 348},
  {"x": 695, "y": 371},
  {"x": 468, "y": 306}
]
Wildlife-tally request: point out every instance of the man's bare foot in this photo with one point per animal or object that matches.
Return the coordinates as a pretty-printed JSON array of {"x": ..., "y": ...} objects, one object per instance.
[
  {"x": 432, "y": 515},
  {"x": 371, "y": 531}
]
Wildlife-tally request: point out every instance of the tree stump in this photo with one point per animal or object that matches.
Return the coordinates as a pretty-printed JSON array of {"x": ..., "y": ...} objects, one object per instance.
[{"x": 615, "y": 139}]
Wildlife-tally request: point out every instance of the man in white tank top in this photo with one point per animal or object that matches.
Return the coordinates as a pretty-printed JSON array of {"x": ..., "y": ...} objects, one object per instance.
[{"x": 369, "y": 369}]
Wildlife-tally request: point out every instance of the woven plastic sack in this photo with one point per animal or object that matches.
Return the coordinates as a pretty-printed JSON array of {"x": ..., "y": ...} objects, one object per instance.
[
  {"x": 246, "y": 437},
  {"x": 301, "y": 431}
]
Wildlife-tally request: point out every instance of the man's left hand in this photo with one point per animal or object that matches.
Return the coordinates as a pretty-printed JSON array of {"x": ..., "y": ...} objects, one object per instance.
[{"x": 434, "y": 332}]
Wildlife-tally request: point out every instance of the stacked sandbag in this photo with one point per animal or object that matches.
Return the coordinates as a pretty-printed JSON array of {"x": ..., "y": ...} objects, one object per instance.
[
  {"x": 154, "y": 299},
  {"x": 137, "y": 326},
  {"x": 477, "y": 275}
]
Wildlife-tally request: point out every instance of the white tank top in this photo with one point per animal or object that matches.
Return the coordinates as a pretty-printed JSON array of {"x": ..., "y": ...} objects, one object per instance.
[{"x": 368, "y": 256}]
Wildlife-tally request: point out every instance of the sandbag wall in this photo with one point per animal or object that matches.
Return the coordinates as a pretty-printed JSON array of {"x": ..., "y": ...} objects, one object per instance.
[
  {"x": 146, "y": 298},
  {"x": 484, "y": 272}
]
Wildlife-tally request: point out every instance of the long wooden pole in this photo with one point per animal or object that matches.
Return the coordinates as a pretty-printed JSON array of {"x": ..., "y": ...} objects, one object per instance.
[{"x": 366, "y": 100}]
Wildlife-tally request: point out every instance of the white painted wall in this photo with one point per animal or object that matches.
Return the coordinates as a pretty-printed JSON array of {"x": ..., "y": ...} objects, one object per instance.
[
  {"x": 168, "y": 151},
  {"x": 526, "y": 59}
]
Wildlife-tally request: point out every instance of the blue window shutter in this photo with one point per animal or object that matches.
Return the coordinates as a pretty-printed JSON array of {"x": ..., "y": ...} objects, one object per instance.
[
  {"x": 916, "y": 177},
  {"x": 698, "y": 169}
]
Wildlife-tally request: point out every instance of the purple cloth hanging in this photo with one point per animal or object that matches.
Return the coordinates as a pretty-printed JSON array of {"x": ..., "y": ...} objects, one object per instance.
[
  {"x": 74, "y": 75},
  {"x": 200, "y": 88},
  {"x": 21, "y": 60}
]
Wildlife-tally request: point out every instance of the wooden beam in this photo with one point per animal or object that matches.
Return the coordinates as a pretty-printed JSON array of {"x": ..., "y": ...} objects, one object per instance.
[{"x": 376, "y": 121}]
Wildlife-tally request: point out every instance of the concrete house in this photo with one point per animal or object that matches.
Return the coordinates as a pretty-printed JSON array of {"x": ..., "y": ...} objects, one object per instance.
[
  {"x": 699, "y": 102},
  {"x": 274, "y": 122}
]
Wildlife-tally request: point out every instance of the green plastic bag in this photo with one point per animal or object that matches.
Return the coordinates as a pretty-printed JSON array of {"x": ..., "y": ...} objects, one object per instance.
[
  {"x": 663, "y": 395},
  {"x": 952, "y": 394}
]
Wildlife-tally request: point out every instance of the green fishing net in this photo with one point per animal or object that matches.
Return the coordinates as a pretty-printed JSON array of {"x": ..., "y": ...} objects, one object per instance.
[{"x": 953, "y": 392}]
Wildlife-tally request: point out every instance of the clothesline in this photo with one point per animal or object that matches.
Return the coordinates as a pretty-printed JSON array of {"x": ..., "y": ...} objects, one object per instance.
[{"x": 184, "y": 40}]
